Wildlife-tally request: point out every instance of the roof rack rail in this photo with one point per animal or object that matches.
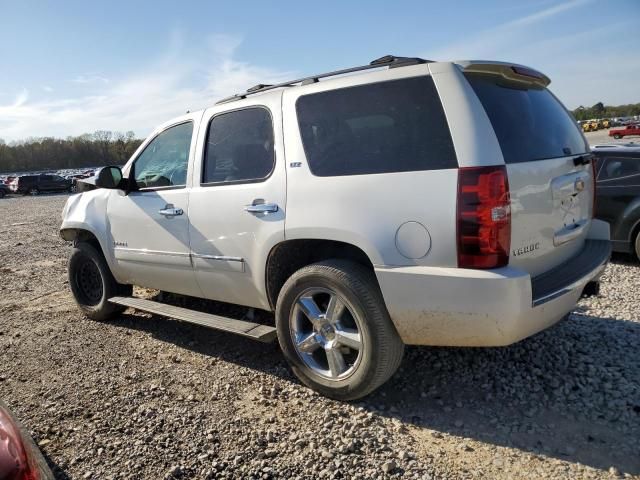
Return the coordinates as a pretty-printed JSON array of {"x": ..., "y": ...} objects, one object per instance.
[{"x": 390, "y": 61}]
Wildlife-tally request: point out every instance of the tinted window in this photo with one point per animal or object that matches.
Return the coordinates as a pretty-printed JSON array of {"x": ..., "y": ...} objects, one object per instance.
[
  {"x": 619, "y": 168},
  {"x": 531, "y": 124},
  {"x": 163, "y": 163},
  {"x": 239, "y": 147},
  {"x": 395, "y": 126}
]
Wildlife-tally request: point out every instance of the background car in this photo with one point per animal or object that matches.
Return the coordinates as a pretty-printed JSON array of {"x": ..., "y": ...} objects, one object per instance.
[
  {"x": 625, "y": 132},
  {"x": 618, "y": 195},
  {"x": 35, "y": 184}
]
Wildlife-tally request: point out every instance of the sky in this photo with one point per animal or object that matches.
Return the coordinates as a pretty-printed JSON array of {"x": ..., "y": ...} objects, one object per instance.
[{"x": 72, "y": 67}]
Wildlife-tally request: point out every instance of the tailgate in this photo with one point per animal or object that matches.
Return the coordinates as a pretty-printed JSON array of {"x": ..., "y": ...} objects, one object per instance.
[
  {"x": 547, "y": 160},
  {"x": 551, "y": 209}
]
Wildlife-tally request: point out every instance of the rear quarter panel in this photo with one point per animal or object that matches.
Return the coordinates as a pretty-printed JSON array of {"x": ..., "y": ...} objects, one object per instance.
[{"x": 367, "y": 210}]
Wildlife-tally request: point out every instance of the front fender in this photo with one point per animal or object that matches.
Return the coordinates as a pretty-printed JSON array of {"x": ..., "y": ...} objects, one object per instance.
[{"x": 88, "y": 212}]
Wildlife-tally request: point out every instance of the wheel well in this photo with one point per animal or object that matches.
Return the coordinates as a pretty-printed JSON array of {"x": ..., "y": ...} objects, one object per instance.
[
  {"x": 635, "y": 231},
  {"x": 291, "y": 255},
  {"x": 78, "y": 235}
]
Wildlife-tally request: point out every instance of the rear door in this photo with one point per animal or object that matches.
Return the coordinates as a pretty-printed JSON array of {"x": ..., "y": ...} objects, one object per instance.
[
  {"x": 238, "y": 200},
  {"x": 45, "y": 183},
  {"x": 546, "y": 156}
]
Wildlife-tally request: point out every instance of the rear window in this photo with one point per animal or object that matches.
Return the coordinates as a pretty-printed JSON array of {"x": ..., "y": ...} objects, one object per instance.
[
  {"x": 394, "y": 126},
  {"x": 531, "y": 124}
]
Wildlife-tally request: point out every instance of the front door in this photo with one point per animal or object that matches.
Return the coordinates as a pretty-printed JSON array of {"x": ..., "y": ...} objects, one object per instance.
[
  {"x": 149, "y": 226},
  {"x": 237, "y": 203}
]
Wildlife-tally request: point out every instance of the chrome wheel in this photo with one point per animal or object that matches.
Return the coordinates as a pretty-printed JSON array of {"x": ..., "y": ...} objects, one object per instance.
[{"x": 326, "y": 333}]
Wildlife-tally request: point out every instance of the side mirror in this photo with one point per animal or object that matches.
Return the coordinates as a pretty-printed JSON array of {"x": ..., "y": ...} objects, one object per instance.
[{"x": 109, "y": 177}]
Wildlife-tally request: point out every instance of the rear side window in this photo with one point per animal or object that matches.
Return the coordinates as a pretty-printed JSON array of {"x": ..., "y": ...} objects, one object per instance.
[
  {"x": 530, "y": 123},
  {"x": 239, "y": 147},
  {"x": 394, "y": 126},
  {"x": 622, "y": 168}
]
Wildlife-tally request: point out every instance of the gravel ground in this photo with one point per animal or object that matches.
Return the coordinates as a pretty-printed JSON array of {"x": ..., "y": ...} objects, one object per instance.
[{"x": 146, "y": 397}]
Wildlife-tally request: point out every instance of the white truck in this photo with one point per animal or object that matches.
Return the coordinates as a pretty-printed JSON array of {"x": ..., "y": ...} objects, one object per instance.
[{"x": 400, "y": 202}]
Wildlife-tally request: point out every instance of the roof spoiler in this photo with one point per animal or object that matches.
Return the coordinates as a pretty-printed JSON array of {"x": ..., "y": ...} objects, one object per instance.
[{"x": 510, "y": 71}]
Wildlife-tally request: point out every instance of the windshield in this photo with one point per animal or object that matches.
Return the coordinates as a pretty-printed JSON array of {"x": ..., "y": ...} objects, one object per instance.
[{"x": 530, "y": 123}]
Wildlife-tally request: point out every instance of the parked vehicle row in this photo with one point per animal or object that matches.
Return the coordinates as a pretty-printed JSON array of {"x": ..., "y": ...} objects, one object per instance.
[
  {"x": 597, "y": 124},
  {"x": 419, "y": 210},
  {"x": 36, "y": 184}
]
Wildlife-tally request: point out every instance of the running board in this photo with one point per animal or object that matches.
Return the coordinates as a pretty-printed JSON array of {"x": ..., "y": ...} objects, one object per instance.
[{"x": 262, "y": 333}]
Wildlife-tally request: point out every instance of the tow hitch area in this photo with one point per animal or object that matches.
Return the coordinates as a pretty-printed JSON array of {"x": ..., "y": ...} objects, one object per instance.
[{"x": 591, "y": 289}]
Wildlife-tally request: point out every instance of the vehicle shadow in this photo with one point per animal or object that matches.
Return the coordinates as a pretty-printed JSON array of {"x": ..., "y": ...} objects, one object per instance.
[
  {"x": 564, "y": 393},
  {"x": 58, "y": 472},
  {"x": 626, "y": 259}
]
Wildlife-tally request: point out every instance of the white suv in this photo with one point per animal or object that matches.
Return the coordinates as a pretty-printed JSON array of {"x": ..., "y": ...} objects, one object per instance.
[{"x": 408, "y": 202}]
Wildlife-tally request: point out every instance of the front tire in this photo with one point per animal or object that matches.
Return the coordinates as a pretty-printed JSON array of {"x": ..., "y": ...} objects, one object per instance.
[
  {"x": 335, "y": 331},
  {"x": 33, "y": 192},
  {"x": 617, "y": 137},
  {"x": 92, "y": 283},
  {"x": 637, "y": 245}
]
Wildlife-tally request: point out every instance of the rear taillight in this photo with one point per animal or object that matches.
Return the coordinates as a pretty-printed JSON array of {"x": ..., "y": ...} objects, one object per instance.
[
  {"x": 15, "y": 463},
  {"x": 484, "y": 217}
]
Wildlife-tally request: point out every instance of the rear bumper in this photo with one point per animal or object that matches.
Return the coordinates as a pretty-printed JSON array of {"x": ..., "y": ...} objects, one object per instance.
[{"x": 474, "y": 308}]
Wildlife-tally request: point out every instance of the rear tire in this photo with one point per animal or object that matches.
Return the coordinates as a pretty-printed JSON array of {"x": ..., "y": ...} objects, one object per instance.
[
  {"x": 352, "y": 346},
  {"x": 92, "y": 283},
  {"x": 637, "y": 245},
  {"x": 617, "y": 137},
  {"x": 2, "y": 194},
  {"x": 33, "y": 192}
]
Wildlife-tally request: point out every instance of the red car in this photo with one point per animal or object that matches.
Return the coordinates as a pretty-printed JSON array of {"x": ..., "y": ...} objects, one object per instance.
[
  {"x": 20, "y": 458},
  {"x": 626, "y": 131}
]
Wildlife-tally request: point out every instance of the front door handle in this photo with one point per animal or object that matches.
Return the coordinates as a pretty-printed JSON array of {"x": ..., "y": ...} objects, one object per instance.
[
  {"x": 170, "y": 211},
  {"x": 261, "y": 208}
]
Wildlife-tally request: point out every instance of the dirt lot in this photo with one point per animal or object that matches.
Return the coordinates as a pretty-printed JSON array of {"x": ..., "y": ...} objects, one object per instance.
[
  {"x": 600, "y": 137},
  {"x": 146, "y": 397}
]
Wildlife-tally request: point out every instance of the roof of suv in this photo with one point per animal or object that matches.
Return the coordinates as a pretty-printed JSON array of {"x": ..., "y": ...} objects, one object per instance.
[
  {"x": 507, "y": 70},
  {"x": 510, "y": 71}
]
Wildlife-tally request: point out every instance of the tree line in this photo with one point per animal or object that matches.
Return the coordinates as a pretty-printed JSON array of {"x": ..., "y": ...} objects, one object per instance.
[
  {"x": 89, "y": 150},
  {"x": 599, "y": 110}
]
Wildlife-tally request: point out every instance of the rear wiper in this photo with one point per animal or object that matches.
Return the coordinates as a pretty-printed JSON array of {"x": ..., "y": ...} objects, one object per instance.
[{"x": 582, "y": 160}]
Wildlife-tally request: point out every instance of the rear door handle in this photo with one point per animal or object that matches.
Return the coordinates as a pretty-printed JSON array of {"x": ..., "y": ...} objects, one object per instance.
[
  {"x": 170, "y": 211},
  {"x": 261, "y": 208}
]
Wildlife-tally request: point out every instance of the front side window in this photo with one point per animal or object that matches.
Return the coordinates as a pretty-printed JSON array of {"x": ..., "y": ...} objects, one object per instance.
[
  {"x": 393, "y": 126},
  {"x": 239, "y": 147},
  {"x": 621, "y": 168},
  {"x": 164, "y": 162}
]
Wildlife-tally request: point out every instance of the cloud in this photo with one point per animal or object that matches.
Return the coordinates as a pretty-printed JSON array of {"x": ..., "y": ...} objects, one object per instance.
[
  {"x": 90, "y": 78},
  {"x": 21, "y": 98},
  {"x": 169, "y": 86},
  {"x": 501, "y": 38},
  {"x": 544, "y": 14},
  {"x": 47, "y": 88},
  {"x": 580, "y": 69}
]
